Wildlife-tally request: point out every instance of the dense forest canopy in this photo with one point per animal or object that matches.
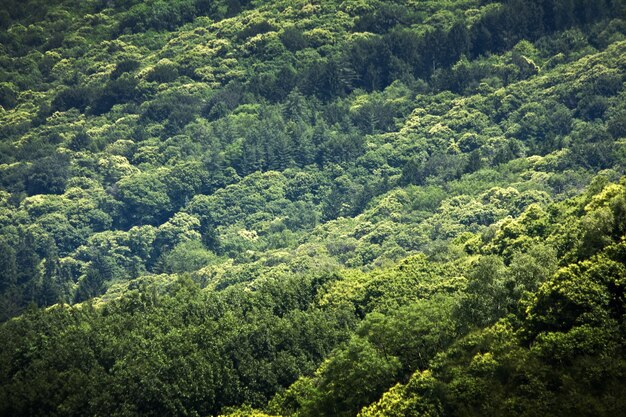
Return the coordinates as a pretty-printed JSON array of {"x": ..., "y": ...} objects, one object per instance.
[{"x": 312, "y": 208}]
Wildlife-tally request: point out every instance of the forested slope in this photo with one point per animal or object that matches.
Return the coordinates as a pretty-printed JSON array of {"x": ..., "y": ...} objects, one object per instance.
[{"x": 312, "y": 208}]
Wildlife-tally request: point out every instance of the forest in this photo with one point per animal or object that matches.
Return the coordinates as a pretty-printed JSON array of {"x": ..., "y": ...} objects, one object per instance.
[{"x": 313, "y": 208}]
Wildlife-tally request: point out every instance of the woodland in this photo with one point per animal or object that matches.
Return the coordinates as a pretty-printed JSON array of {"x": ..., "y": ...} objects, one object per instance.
[{"x": 313, "y": 208}]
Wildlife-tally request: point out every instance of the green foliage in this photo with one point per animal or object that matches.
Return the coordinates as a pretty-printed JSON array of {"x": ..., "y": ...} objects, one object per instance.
[
  {"x": 48, "y": 175},
  {"x": 145, "y": 198},
  {"x": 187, "y": 257},
  {"x": 295, "y": 208}
]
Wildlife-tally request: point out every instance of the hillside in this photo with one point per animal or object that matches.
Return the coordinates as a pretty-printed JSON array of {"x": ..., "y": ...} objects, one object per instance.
[{"x": 312, "y": 208}]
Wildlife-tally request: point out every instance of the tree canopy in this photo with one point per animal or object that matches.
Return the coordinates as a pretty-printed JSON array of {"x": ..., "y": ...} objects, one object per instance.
[{"x": 312, "y": 208}]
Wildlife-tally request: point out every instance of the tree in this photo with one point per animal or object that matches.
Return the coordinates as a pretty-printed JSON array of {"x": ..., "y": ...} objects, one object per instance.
[
  {"x": 74, "y": 97},
  {"x": 26, "y": 259},
  {"x": 413, "y": 172},
  {"x": 185, "y": 180},
  {"x": 474, "y": 162},
  {"x": 8, "y": 95},
  {"x": 489, "y": 295},
  {"x": 125, "y": 66},
  {"x": 48, "y": 175},
  {"x": 8, "y": 266},
  {"x": 93, "y": 283},
  {"x": 182, "y": 227},
  {"x": 353, "y": 378},
  {"x": 413, "y": 333},
  {"x": 293, "y": 39},
  {"x": 81, "y": 141},
  {"x": 187, "y": 256},
  {"x": 165, "y": 71},
  {"x": 51, "y": 290},
  {"x": 145, "y": 199}
]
